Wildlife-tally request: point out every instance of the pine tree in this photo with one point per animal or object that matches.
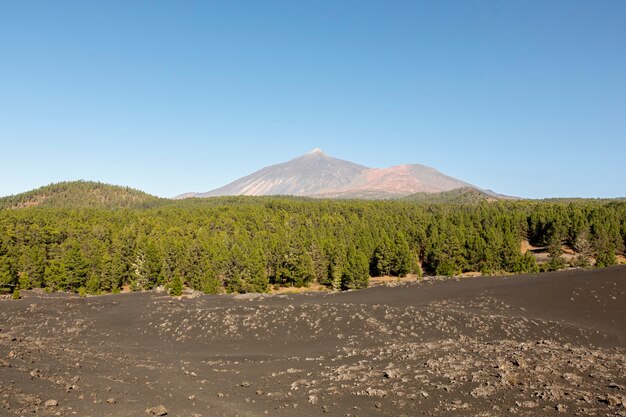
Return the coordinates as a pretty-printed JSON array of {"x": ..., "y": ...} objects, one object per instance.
[
  {"x": 555, "y": 252},
  {"x": 92, "y": 285},
  {"x": 356, "y": 272},
  {"x": 24, "y": 281},
  {"x": 76, "y": 269},
  {"x": 55, "y": 276},
  {"x": 211, "y": 284},
  {"x": 403, "y": 263},
  {"x": 176, "y": 287},
  {"x": 384, "y": 258},
  {"x": 7, "y": 276},
  {"x": 335, "y": 272},
  {"x": 582, "y": 246},
  {"x": 604, "y": 247}
]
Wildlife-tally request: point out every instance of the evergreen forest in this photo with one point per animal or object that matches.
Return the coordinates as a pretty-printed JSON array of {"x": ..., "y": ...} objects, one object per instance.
[{"x": 251, "y": 244}]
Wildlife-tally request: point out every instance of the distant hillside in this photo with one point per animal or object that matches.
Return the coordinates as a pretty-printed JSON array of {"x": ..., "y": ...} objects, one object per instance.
[
  {"x": 579, "y": 199},
  {"x": 316, "y": 174},
  {"x": 82, "y": 194},
  {"x": 465, "y": 195}
]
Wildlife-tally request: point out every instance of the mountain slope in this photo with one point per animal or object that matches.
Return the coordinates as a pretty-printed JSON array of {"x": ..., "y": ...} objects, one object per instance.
[
  {"x": 316, "y": 174},
  {"x": 310, "y": 174},
  {"x": 399, "y": 181},
  {"x": 80, "y": 194}
]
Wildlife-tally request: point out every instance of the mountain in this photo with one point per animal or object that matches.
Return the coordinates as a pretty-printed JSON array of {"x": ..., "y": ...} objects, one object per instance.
[
  {"x": 316, "y": 174},
  {"x": 310, "y": 174},
  {"x": 81, "y": 194}
]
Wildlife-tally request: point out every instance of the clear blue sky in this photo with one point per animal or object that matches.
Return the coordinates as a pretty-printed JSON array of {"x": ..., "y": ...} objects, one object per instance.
[{"x": 527, "y": 98}]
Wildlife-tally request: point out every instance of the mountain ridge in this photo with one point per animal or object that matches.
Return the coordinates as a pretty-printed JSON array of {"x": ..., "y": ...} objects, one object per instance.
[
  {"x": 316, "y": 174},
  {"x": 89, "y": 194}
]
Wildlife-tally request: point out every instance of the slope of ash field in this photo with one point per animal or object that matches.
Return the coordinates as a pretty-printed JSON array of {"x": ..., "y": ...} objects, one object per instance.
[{"x": 550, "y": 344}]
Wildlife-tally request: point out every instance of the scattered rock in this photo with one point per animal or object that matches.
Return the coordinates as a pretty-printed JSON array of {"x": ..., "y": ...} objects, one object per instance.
[
  {"x": 373, "y": 392},
  {"x": 526, "y": 404},
  {"x": 159, "y": 410},
  {"x": 483, "y": 392},
  {"x": 51, "y": 403},
  {"x": 610, "y": 399},
  {"x": 390, "y": 374},
  {"x": 519, "y": 362}
]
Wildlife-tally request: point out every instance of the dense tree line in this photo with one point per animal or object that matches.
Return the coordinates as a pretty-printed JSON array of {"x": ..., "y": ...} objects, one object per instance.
[{"x": 249, "y": 244}]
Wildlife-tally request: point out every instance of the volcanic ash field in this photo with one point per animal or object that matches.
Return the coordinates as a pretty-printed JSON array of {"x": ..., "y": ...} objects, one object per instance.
[{"x": 550, "y": 344}]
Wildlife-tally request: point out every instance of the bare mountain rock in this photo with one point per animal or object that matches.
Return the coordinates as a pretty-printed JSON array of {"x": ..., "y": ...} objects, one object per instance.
[
  {"x": 310, "y": 174},
  {"x": 316, "y": 174}
]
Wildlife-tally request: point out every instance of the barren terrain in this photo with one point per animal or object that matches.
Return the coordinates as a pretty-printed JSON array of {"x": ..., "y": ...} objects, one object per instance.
[{"x": 550, "y": 344}]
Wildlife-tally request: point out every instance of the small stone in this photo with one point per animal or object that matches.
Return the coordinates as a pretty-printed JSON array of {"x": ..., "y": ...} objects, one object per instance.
[
  {"x": 561, "y": 408},
  {"x": 192, "y": 397},
  {"x": 519, "y": 362},
  {"x": 220, "y": 395},
  {"x": 157, "y": 411},
  {"x": 612, "y": 400},
  {"x": 51, "y": 403},
  {"x": 483, "y": 392},
  {"x": 111, "y": 401},
  {"x": 389, "y": 374}
]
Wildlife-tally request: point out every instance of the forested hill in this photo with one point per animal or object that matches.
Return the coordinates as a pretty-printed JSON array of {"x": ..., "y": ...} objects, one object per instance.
[
  {"x": 81, "y": 194},
  {"x": 464, "y": 195}
]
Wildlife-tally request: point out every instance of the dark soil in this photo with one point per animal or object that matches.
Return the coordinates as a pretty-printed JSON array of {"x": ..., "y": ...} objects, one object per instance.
[{"x": 550, "y": 344}]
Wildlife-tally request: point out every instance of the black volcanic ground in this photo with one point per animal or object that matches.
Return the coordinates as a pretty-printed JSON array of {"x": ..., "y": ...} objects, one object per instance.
[{"x": 550, "y": 344}]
